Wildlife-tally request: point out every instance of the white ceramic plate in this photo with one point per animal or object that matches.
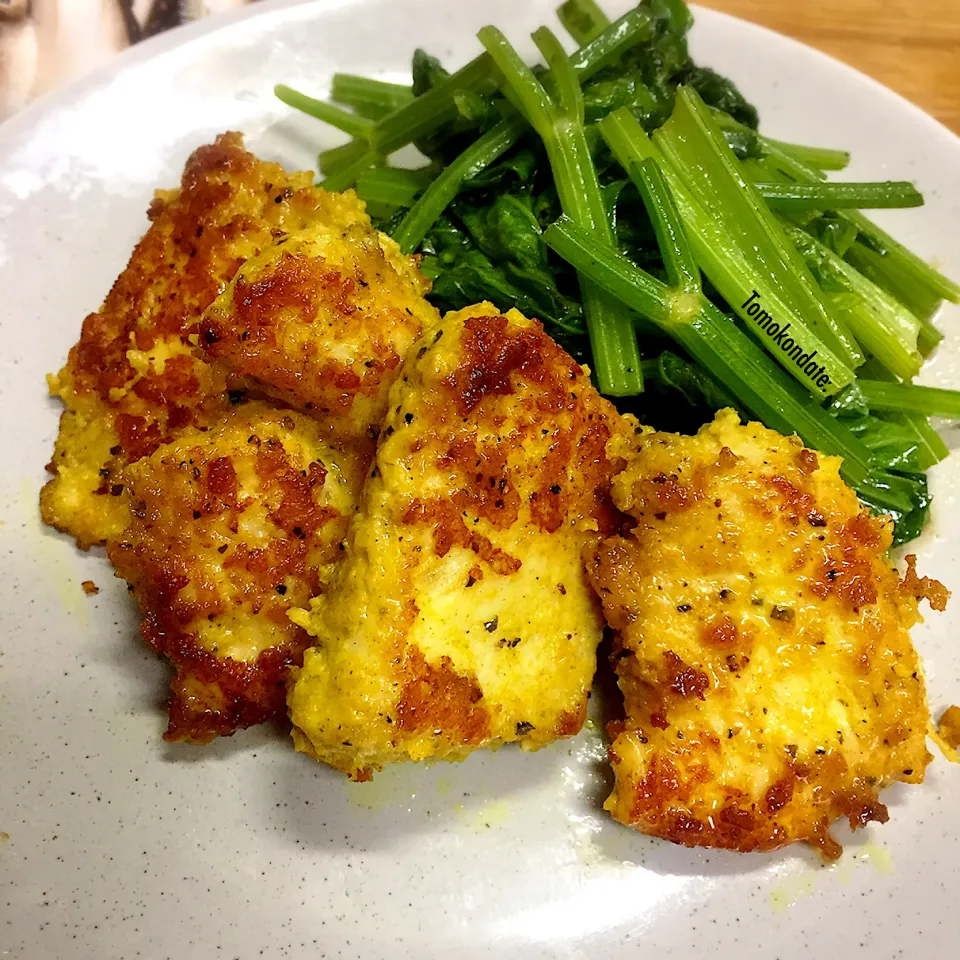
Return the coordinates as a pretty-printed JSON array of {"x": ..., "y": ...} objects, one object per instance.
[{"x": 121, "y": 846}]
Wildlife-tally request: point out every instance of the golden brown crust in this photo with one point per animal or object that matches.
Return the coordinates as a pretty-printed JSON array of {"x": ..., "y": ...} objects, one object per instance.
[
  {"x": 213, "y": 696},
  {"x": 501, "y": 361},
  {"x": 154, "y": 369},
  {"x": 215, "y": 562},
  {"x": 322, "y": 322},
  {"x": 496, "y": 358},
  {"x": 176, "y": 271},
  {"x": 769, "y": 681},
  {"x": 134, "y": 379},
  {"x": 949, "y": 727},
  {"x": 436, "y": 697},
  {"x": 319, "y": 317},
  {"x": 923, "y": 588},
  {"x": 498, "y": 361},
  {"x": 461, "y": 616}
]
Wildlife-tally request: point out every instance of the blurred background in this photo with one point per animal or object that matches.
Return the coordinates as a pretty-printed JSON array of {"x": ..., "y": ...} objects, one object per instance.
[{"x": 911, "y": 46}]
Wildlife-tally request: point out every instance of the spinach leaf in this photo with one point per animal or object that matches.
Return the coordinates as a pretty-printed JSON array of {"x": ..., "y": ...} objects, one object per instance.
[
  {"x": 470, "y": 261},
  {"x": 910, "y": 519},
  {"x": 518, "y": 168},
  {"x": 721, "y": 93},
  {"x": 895, "y": 447},
  {"x": 427, "y": 72},
  {"x": 698, "y": 388},
  {"x": 893, "y": 442}
]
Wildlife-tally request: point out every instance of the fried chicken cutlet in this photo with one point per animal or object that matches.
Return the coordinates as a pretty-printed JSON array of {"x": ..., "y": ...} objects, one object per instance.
[
  {"x": 251, "y": 283},
  {"x": 461, "y": 617},
  {"x": 134, "y": 379},
  {"x": 144, "y": 369},
  {"x": 321, "y": 321},
  {"x": 769, "y": 680},
  {"x": 231, "y": 527}
]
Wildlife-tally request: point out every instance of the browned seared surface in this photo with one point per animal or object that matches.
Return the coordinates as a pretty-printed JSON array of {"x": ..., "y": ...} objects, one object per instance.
[
  {"x": 134, "y": 379},
  {"x": 763, "y": 651},
  {"x": 321, "y": 321},
  {"x": 310, "y": 332},
  {"x": 949, "y": 727},
  {"x": 461, "y": 617},
  {"x": 231, "y": 528}
]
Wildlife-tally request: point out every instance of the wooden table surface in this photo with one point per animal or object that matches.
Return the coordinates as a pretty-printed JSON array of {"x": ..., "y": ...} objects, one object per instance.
[{"x": 911, "y": 46}]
